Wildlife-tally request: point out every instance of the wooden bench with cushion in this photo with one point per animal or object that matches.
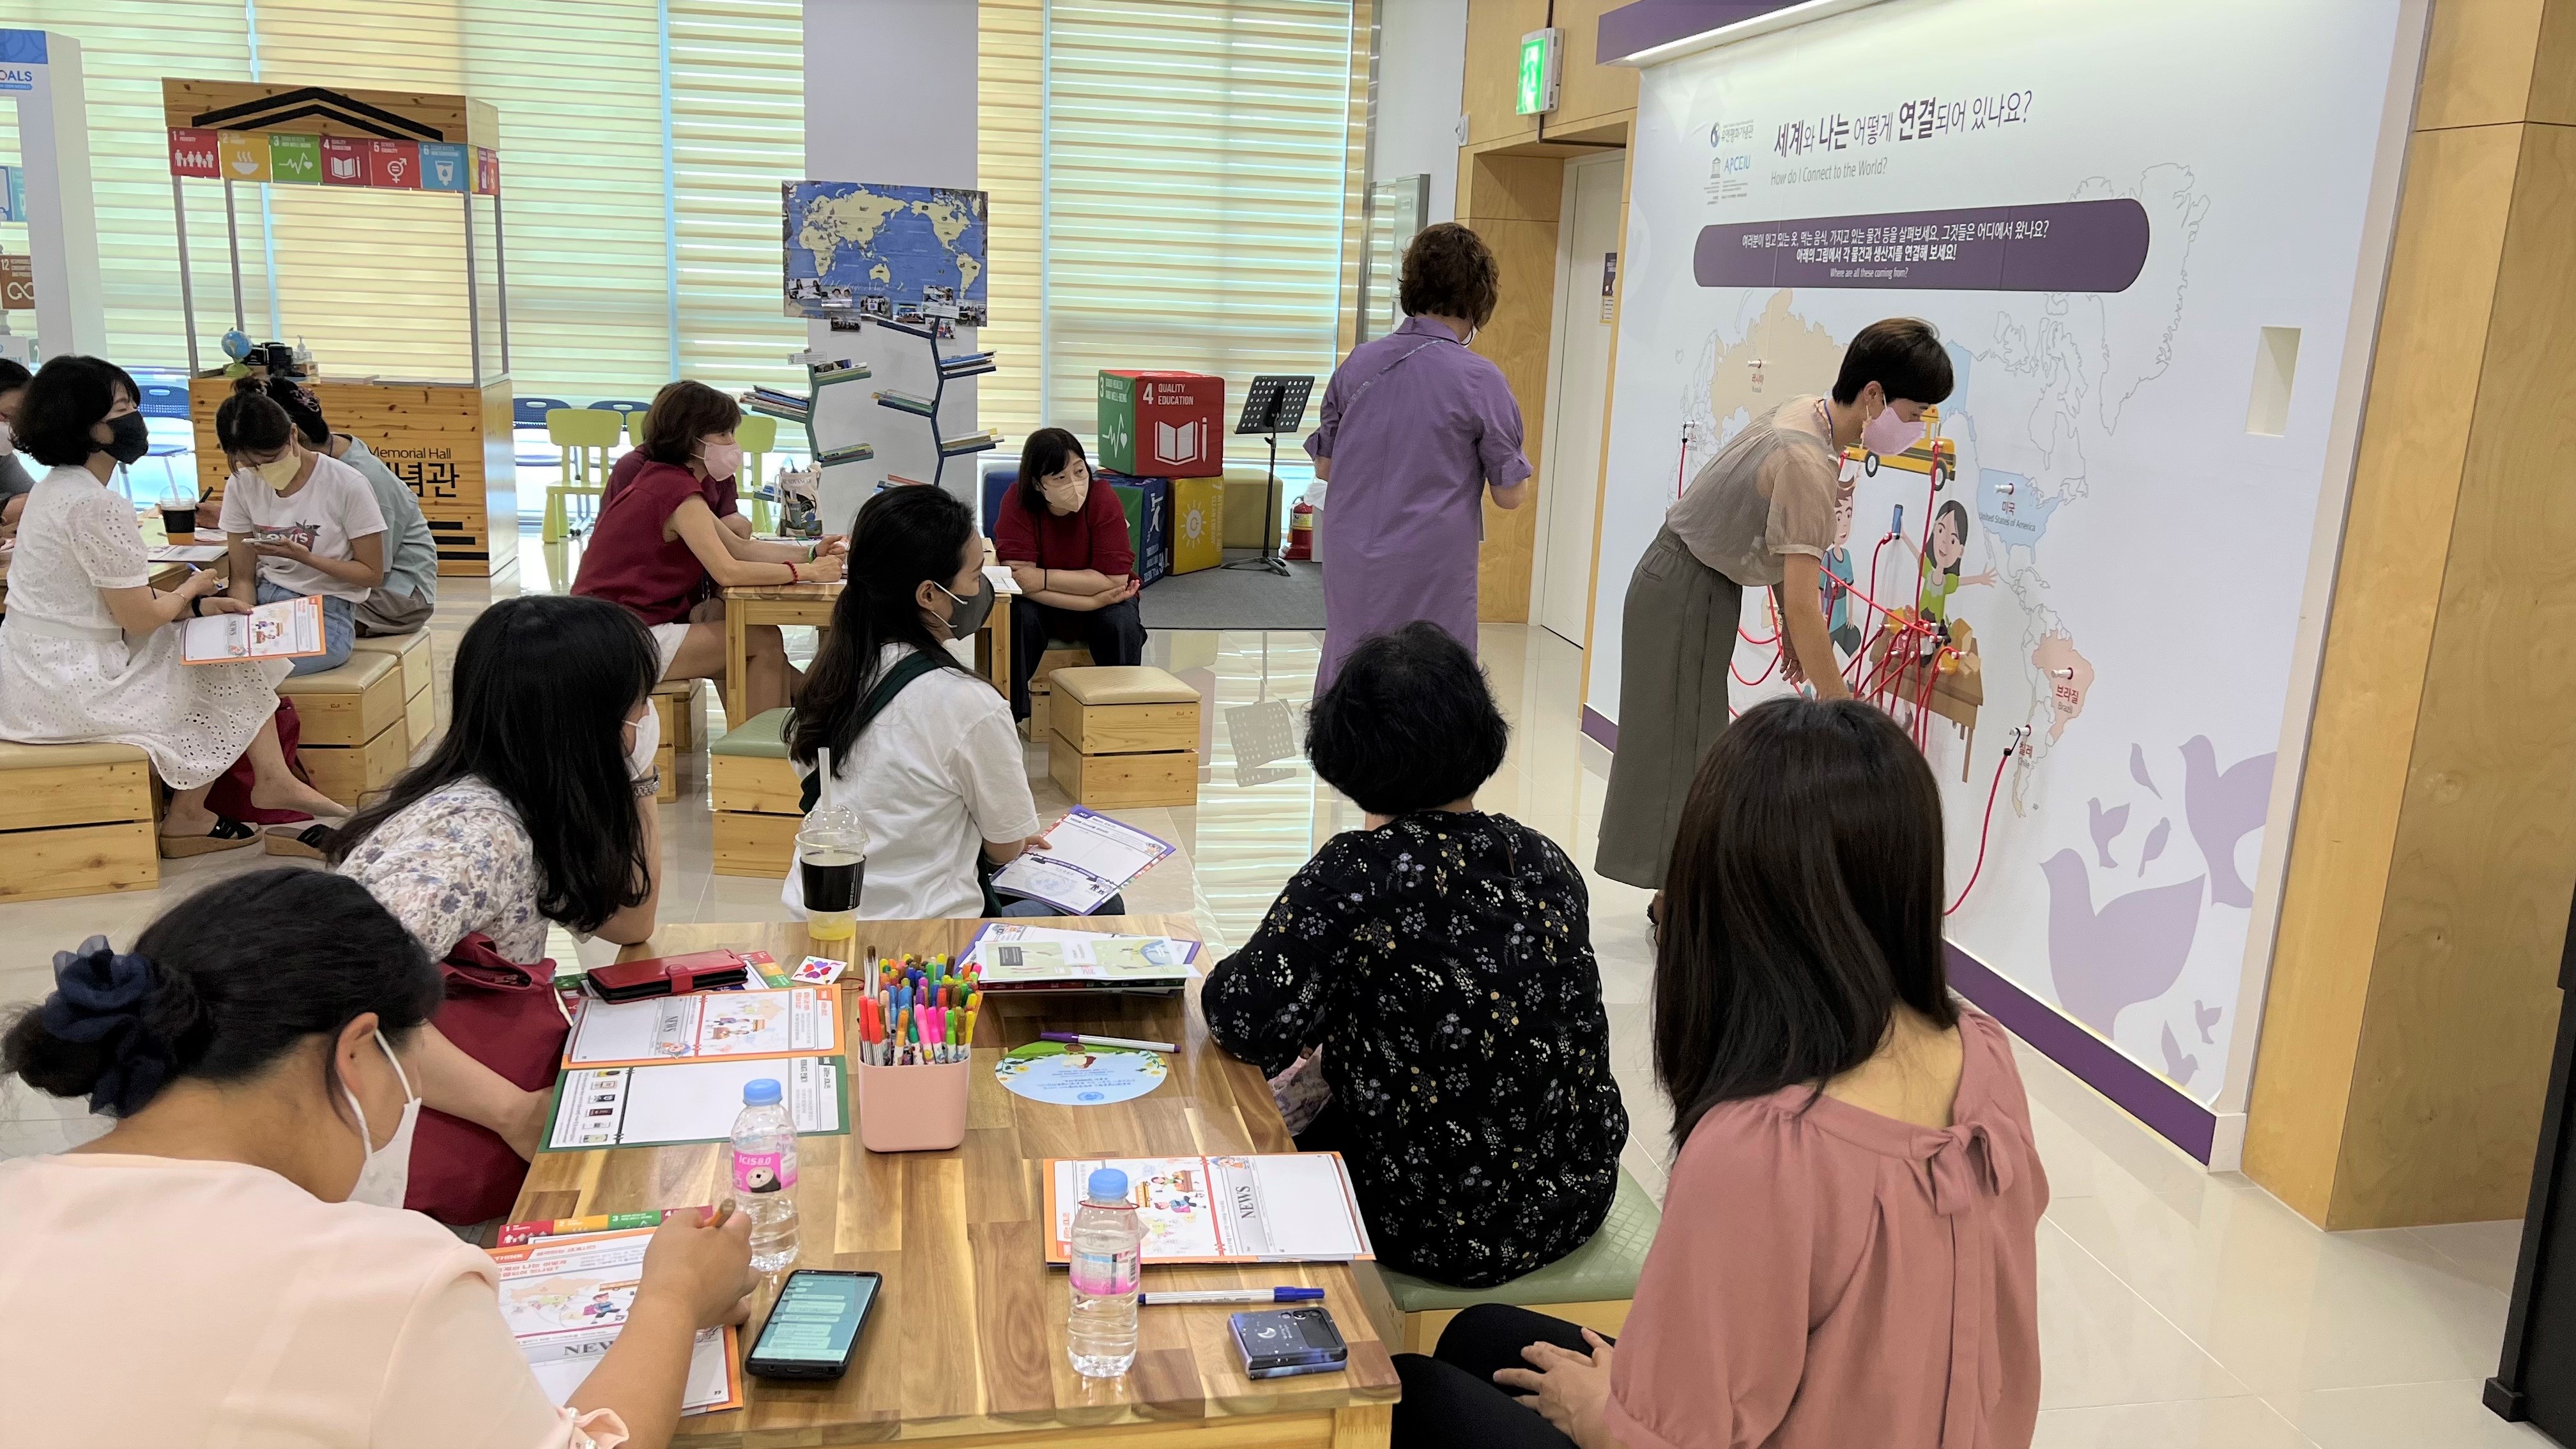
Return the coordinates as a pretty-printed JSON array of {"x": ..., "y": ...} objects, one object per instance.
[
  {"x": 1059, "y": 655},
  {"x": 354, "y": 736},
  {"x": 414, "y": 655},
  {"x": 682, "y": 703},
  {"x": 1124, "y": 735},
  {"x": 1591, "y": 1286},
  {"x": 756, "y": 797},
  {"x": 76, "y": 820}
]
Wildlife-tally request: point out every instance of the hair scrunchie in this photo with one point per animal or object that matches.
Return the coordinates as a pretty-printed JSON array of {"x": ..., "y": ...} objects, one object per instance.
[{"x": 101, "y": 997}]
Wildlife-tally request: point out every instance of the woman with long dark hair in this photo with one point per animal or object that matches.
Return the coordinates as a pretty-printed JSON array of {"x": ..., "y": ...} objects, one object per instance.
[
  {"x": 1849, "y": 1239},
  {"x": 257, "y": 1035},
  {"x": 402, "y": 603},
  {"x": 92, "y": 651},
  {"x": 535, "y": 807},
  {"x": 922, "y": 749},
  {"x": 1064, "y": 539}
]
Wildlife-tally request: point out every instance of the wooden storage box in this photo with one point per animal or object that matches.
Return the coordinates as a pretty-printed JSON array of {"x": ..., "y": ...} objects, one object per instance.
[
  {"x": 756, "y": 797},
  {"x": 75, "y": 820},
  {"x": 1123, "y": 736},
  {"x": 1169, "y": 777},
  {"x": 355, "y": 739},
  {"x": 417, "y": 660},
  {"x": 682, "y": 705}
]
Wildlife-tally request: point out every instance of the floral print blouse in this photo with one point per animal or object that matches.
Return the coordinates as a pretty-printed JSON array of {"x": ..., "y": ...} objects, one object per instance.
[
  {"x": 1444, "y": 963},
  {"x": 453, "y": 862}
]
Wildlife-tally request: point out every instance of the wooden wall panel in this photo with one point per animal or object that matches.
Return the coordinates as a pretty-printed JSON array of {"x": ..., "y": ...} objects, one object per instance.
[
  {"x": 1517, "y": 341},
  {"x": 1494, "y": 31},
  {"x": 1591, "y": 93}
]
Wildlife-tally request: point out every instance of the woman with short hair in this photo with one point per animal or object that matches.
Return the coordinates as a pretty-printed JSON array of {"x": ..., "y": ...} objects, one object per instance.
[
  {"x": 237, "y": 1235},
  {"x": 91, "y": 652},
  {"x": 1062, "y": 534},
  {"x": 1416, "y": 431},
  {"x": 658, "y": 549}
]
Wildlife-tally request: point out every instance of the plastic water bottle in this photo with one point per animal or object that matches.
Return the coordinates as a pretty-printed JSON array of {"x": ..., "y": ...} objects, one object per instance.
[
  {"x": 764, "y": 1174},
  {"x": 1108, "y": 1239}
]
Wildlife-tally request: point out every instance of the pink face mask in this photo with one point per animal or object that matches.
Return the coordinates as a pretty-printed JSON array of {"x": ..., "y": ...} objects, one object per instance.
[
  {"x": 1888, "y": 435},
  {"x": 722, "y": 460}
]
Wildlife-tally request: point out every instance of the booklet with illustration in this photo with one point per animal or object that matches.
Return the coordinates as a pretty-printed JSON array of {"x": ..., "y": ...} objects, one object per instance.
[
  {"x": 1286, "y": 1208},
  {"x": 1087, "y": 859},
  {"x": 1016, "y": 957},
  {"x": 566, "y": 1300},
  {"x": 287, "y": 629},
  {"x": 799, "y": 1021},
  {"x": 690, "y": 1101}
]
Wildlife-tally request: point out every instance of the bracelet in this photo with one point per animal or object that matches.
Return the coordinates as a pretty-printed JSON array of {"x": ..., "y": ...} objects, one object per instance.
[
  {"x": 197, "y": 607},
  {"x": 813, "y": 551},
  {"x": 793, "y": 576}
]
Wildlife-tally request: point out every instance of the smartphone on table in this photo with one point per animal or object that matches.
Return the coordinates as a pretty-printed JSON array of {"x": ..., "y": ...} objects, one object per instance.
[{"x": 813, "y": 1328}]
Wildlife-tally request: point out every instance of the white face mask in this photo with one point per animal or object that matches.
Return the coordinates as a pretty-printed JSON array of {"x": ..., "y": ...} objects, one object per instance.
[
  {"x": 386, "y": 1176},
  {"x": 648, "y": 743},
  {"x": 1888, "y": 434}
]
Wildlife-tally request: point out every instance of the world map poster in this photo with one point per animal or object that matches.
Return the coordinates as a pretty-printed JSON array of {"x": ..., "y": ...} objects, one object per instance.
[{"x": 907, "y": 254}]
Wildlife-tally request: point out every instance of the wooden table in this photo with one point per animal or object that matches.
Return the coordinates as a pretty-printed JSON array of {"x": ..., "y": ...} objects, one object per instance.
[
  {"x": 165, "y": 577},
  {"x": 811, "y": 604},
  {"x": 966, "y": 1343}
]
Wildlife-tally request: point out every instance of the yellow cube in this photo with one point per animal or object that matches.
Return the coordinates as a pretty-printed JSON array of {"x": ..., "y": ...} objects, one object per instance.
[{"x": 1198, "y": 524}]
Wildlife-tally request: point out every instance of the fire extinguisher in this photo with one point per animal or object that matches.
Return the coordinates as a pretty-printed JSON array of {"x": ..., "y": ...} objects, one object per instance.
[{"x": 1301, "y": 531}]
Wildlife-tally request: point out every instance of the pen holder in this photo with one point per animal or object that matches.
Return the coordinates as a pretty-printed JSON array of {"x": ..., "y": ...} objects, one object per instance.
[{"x": 913, "y": 1109}]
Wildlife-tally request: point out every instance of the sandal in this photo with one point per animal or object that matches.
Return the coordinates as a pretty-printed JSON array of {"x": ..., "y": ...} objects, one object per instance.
[
  {"x": 303, "y": 842},
  {"x": 227, "y": 834}
]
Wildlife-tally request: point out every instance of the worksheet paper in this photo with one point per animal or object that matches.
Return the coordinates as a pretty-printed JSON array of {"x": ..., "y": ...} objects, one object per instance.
[
  {"x": 1013, "y": 954},
  {"x": 688, "y": 1101},
  {"x": 566, "y": 1300},
  {"x": 1087, "y": 859},
  {"x": 798, "y": 1021},
  {"x": 187, "y": 553},
  {"x": 1284, "y": 1208},
  {"x": 288, "y": 629}
]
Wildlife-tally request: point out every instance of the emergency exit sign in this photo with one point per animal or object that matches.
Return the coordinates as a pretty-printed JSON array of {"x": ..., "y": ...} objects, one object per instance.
[{"x": 1540, "y": 56}]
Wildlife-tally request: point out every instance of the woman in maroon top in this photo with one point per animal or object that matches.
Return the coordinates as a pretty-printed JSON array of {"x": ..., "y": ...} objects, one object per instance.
[
  {"x": 1065, "y": 541},
  {"x": 658, "y": 549},
  {"x": 1849, "y": 1248},
  {"x": 724, "y": 495}
]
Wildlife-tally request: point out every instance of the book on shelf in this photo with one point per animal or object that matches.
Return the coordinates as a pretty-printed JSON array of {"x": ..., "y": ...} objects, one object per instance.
[
  {"x": 905, "y": 402},
  {"x": 777, "y": 398},
  {"x": 974, "y": 442},
  {"x": 840, "y": 371},
  {"x": 851, "y": 454}
]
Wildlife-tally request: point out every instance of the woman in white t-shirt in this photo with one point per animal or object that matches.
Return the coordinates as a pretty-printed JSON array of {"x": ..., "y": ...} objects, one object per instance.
[
  {"x": 299, "y": 523},
  {"x": 936, "y": 777}
]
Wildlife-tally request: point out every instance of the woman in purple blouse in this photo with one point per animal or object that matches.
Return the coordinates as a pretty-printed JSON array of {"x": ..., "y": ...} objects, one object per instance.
[{"x": 1415, "y": 429}]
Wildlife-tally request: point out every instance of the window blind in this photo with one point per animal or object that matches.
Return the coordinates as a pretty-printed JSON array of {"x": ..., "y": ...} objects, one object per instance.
[
  {"x": 1010, "y": 128},
  {"x": 737, "y": 131},
  {"x": 1197, "y": 174}
]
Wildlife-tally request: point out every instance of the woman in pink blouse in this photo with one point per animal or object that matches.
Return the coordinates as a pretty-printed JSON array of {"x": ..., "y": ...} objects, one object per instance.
[
  {"x": 1848, "y": 1247},
  {"x": 231, "y": 1263}
]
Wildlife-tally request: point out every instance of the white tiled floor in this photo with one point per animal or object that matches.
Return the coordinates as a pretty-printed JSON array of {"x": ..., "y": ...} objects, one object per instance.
[{"x": 2178, "y": 1308}]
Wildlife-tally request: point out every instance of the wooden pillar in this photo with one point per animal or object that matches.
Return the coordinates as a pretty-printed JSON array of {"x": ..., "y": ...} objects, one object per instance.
[
  {"x": 1512, "y": 201},
  {"x": 2412, "y": 1000}
]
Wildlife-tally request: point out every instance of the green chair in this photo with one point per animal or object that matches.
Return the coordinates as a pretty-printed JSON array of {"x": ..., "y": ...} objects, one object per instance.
[
  {"x": 1591, "y": 1286},
  {"x": 754, "y": 793},
  {"x": 583, "y": 437},
  {"x": 758, "y": 435}
]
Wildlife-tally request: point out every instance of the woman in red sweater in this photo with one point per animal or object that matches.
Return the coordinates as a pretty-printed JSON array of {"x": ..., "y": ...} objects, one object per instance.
[
  {"x": 1065, "y": 541},
  {"x": 658, "y": 549}
]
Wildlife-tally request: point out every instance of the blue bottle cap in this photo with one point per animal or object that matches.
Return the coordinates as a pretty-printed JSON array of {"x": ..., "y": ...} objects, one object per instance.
[
  {"x": 760, "y": 1092},
  {"x": 1108, "y": 1184}
]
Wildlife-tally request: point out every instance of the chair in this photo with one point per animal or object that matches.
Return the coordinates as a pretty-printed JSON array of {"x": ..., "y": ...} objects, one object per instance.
[
  {"x": 528, "y": 414},
  {"x": 1592, "y": 1286},
  {"x": 355, "y": 721},
  {"x": 584, "y": 436},
  {"x": 757, "y": 434},
  {"x": 162, "y": 400},
  {"x": 638, "y": 417},
  {"x": 757, "y": 798},
  {"x": 1123, "y": 736}
]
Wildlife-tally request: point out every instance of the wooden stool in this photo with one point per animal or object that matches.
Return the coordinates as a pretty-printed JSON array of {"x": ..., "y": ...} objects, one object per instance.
[
  {"x": 682, "y": 705},
  {"x": 1123, "y": 735},
  {"x": 418, "y": 662},
  {"x": 756, "y": 795},
  {"x": 75, "y": 820},
  {"x": 1591, "y": 1286},
  {"x": 354, "y": 739},
  {"x": 1059, "y": 655}
]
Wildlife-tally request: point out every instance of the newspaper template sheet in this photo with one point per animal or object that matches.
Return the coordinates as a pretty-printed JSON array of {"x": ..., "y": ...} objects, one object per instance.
[
  {"x": 1290, "y": 1208},
  {"x": 798, "y": 1021},
  {"x": 566, "y": 1300},
  {"x": 1088, "y": 858},
  {"x": 288, "y": 629},
  {"x": 688, "y": 1101}
]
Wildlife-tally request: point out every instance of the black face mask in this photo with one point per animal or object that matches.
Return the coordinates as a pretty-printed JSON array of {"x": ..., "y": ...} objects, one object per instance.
[
  {"x": 131, "y": 439},
  {"x": 969, "y": 614}
]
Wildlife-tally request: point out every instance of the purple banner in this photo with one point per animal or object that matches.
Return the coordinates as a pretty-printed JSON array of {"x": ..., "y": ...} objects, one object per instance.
[
  {"x": 2064, "y": 246},
  {"x": 1645, "y": 24}
]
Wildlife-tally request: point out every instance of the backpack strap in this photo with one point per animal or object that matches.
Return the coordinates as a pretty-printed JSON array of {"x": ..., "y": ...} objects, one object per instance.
[{"x": 915, "y": 665}]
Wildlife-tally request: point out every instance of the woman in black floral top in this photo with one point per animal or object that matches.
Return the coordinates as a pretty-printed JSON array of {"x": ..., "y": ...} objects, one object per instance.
[{"x": 1442, "y": 959}]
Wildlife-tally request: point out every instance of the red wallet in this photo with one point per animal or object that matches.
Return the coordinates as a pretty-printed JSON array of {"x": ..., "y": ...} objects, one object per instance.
[{"x": 669, "y": 975}]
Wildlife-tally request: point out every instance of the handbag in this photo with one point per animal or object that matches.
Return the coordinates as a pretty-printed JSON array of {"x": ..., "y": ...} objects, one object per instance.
[
  {"x": 878, "y": 698},
  {"x": 507, "y": 1017}
]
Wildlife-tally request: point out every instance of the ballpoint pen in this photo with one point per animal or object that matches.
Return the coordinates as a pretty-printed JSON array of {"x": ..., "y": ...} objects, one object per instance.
[
  {"x": 1132, "y": 1044},
  {"x": 1233, "y": 1295}
]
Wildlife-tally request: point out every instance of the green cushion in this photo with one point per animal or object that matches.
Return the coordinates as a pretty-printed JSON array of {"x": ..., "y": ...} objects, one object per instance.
[
  {"x": 1603, "y": 1270},
  {"x": 763, "y": 735}
]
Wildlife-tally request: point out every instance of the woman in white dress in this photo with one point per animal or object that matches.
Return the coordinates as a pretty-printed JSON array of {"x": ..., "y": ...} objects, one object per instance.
[{"x": 88, "y": 653}]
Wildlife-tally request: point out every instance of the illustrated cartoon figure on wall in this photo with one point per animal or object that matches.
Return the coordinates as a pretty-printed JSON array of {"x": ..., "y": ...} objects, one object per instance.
[
  {"x": 1941, "y": 576},
  {"x": 1836, "y": 579}
]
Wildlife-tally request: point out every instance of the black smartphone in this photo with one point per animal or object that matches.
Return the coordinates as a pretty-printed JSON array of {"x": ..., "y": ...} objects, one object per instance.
[{"x": 813, "y": 1328}]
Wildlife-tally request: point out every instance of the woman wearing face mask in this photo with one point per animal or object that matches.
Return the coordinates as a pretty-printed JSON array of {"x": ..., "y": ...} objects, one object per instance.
[
  {"x": 1760, "y": 514},
  {"x": 1415, "y": 431},
  {"x": 403, "y": 603},
  {"x": 1064, "y": 540},
  {"x": 922, "y": 749},
  {"x": 89, "y": 654},
  {"x": 15, "y": 480},
  {"x": 236, "y": 1229},
  {"x": 536, "y": 807},
  {"x": 299, "y": 524},
  {"x": 658, "y": 549}
]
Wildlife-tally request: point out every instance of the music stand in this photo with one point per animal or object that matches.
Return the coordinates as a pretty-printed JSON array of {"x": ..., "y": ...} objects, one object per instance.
[{"x": 1274, "y": 404}]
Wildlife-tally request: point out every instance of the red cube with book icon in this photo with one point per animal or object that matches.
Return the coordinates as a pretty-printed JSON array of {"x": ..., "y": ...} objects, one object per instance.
[{"x": 1162, "y": 424}]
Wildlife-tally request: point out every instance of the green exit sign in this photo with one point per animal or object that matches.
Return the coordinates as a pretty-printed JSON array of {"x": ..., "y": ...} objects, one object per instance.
[{"x": 1540, "y": 56}]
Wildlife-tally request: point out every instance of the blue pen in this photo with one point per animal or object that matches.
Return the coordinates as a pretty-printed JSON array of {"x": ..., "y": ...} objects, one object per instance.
[{"x": 1233, "y": 1295}]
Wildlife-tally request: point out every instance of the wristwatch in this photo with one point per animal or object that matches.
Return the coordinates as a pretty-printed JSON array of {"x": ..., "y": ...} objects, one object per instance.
[{"x": 649, "y": 785}]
